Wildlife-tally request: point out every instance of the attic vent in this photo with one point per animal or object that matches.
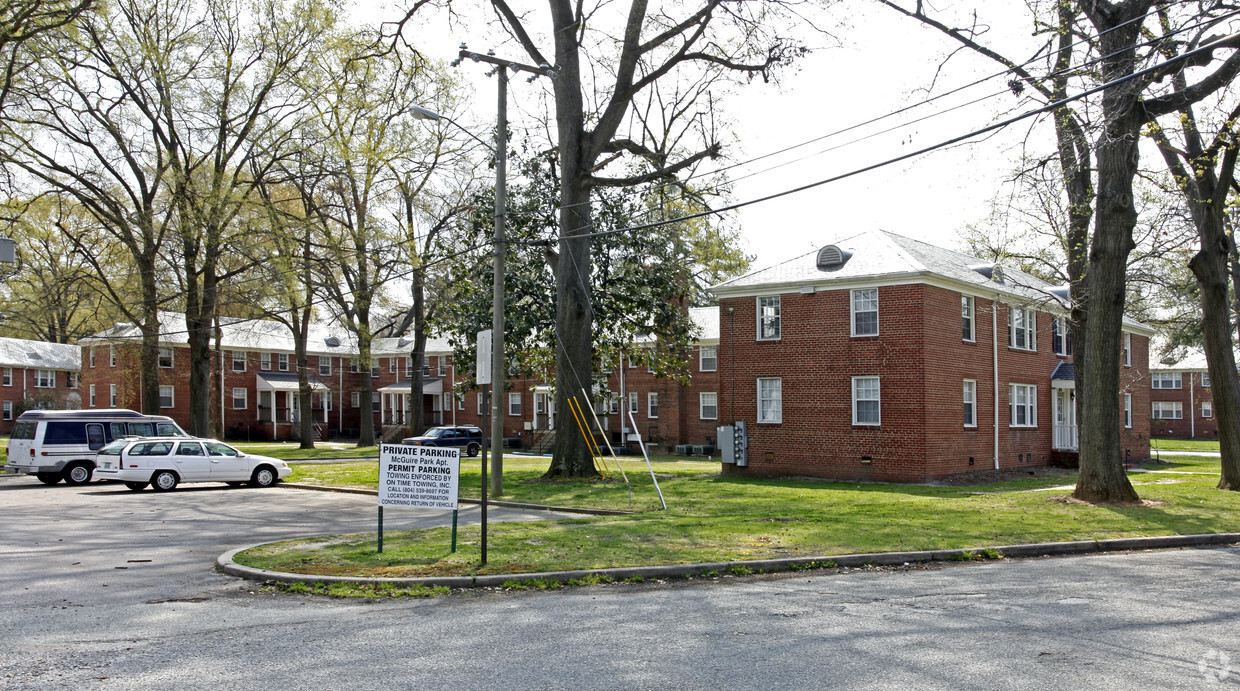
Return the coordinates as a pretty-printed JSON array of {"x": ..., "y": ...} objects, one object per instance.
[
  {"x": 831, "y": 258},
  {"x": 34, "y": 356},
  {"x": 1061, "y": 292},
  {"x": 332, "y": 342},
  {"x": 403, "y": 342},
  {"x": 994, "y": 272}
]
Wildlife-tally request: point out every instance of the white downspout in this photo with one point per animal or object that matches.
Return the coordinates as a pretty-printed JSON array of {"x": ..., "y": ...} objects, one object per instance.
[
  {"x": 1192, "y": 406},
  {"x": 340, "y": 388},
  {"x": 994, "y": 338},
  {"x": 624, "y": 405},
  {"x": 452, "y": 388}
]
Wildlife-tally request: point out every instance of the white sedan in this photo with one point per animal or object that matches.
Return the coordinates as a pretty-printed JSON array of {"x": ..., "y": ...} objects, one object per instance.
[{"x": 165, "y": 462}]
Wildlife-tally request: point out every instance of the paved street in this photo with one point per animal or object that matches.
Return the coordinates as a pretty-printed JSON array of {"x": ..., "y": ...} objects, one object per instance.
[{"x": 70, "y": 618}]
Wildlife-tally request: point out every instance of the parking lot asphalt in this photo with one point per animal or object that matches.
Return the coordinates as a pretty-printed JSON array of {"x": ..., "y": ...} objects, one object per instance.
[{"x": 102, "y": 543}]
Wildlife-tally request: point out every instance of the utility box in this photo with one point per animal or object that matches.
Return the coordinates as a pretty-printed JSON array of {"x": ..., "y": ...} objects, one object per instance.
[{"x": 734, "y": 444}]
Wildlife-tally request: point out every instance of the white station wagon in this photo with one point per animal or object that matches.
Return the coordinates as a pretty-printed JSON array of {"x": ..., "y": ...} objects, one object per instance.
[{"x": 165, "y": 462}]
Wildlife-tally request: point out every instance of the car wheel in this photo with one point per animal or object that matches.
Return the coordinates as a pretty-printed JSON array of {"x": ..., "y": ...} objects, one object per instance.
[
  {"x": 264, "y": 476},
  {"x": 164, "y": 481},
  {"x": 77, "y": 474},
  {"x": 235, "y": 484},
  {"x": 472, "y": 449},
  {"x": 48, "y": 478},
  {"x": 136, "y": 486}
]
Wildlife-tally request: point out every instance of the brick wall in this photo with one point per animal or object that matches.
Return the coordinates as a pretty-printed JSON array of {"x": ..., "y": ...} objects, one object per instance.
[{"x": 1192, "y": 423}]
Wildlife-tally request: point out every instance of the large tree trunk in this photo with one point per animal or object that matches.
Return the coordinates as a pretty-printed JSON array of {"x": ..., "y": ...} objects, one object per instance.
[
  {"x": 366, "y": 426},
  {"x": 305, "y": 396},
  {"x": 1210, "y": 267},
  {"x": 417, "y": 416},
  {"x": 149, "y": 362},
  {"x": 1102, "y": 477},
  {"x": 574, "y": 335}
]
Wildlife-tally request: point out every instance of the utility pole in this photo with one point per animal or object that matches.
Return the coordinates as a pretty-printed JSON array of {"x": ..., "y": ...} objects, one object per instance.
[{"x": 500, "y": 242}]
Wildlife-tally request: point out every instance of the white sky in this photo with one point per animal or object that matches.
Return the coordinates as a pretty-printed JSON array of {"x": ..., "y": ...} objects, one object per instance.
[{"x": 883, "y": 63}]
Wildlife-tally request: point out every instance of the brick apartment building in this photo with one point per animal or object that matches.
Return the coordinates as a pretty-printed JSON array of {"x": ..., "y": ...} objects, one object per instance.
[
  {"x": 35, "y": 374},
  {"x": 258, "y": 398},
  {"x": 1181, "y": 399},
  {"x": 880, "y": 357}
]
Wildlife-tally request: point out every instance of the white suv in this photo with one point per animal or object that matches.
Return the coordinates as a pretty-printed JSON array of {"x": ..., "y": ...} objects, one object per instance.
[{"x": 165, "y": 462}]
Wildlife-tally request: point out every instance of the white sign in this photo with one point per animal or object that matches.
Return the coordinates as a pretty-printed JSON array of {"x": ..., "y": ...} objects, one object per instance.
[
  {"x": 483, "y": 366},
  {"x": 418, "y": 477}
]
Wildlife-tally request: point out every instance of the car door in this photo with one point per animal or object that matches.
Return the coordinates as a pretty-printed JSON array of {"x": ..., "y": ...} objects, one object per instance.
[
  {"x": 191, "y": 461},
  {"x": 227, "y": 464}
]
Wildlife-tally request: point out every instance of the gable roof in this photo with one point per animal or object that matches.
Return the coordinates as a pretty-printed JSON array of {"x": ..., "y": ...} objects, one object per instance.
[
  {"x": 882, "y": 257},
  {"x": 18, "y": 352}
]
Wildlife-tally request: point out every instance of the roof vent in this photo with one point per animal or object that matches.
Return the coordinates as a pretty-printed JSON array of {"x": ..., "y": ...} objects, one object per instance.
[
  {"x": 403, "y": 342},
  {"x": 332, "y": 342},
  {"x": 1062, "y": 292},
  {"x": 34, "y": 356},
  {"x": 831, "y": 258},
  {"x": 993, "y": 272}
]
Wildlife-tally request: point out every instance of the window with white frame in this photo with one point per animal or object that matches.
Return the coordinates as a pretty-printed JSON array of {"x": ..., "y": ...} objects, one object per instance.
[
  {"x": 614, "y": 408},
  {"x": 652, "y": 405},
  {"x": 325, "y": 366},
  {"x": 867, "y": 406},
  {"x": 6, "y": 378},
  {"x": 1127, "y": 350},
  {"x": 1023, "y": 405},
  {"x": 165, "y": 357},
  {"x": 632, "y": 364},
  {"x": 1127, "y": 411},
  {"x": 374, "y": 367},
  {"x": 708, "y": 405},
  {"x": 967, "y": 331},
  {"x": 1166, "y": 380},
  {"x": 167, "y": 396},
  {"x": 514, "y": 403},
  {"x": 282, "y": 362},
  {"x": 1207, "y": 409},
  {"x": 92, "y": 395},
  {"x": 264, "y": 361},
  {"x": 1021, "y": 329},
  {"x": 44, "y": 379},
  {"x": 770, "y": 400},
  {"x": 92, "y": 356},
  {"x": 443, "y": 366},
  {"x": 970, "y": 403},
  {"x": 238, "y": 361},
  {"x": 355, "y": 399},
  {"x": 1205, "y": 380},
  {"x": 460, "y": 402},
  {"x": 482, "y": 404},
  {"x": 111, "y": 356},
  {"x": 391, "y": 365},
  {"x": 239, "y": 398},
  {"x": 352, "y": 365},
  {"x": 8, "y": 410},
  {"x": 375, "y": 400},
  {"x": 111, "y": 395},
  {"x": 1061, "y": 336},
  {"x": 708, "y": 359},
  {"x": 865, "y": 312},
  {"x": 632, "y": 401},
  {"x": 768, "y": 318},
  {"x": 1168, "y": 410}
]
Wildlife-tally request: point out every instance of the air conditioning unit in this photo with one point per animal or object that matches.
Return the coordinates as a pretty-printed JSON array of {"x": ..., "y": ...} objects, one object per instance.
[
  {"x": 684, "y": 450},
  {"x": 704, "y": 450}
]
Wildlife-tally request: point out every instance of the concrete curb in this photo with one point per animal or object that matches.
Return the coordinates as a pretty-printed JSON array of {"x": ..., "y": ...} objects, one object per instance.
[
  {"x": 226, "y": 564},
  {"x": 505, "y": 504}
]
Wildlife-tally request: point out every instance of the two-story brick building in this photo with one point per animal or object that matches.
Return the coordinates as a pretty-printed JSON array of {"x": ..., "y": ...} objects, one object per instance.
[
  {"x": 255, "y": 391},
  {"x": 36, "y": 374},
  {"x": 881, "y": 357},
  {"x": 1181, "y": 398}
]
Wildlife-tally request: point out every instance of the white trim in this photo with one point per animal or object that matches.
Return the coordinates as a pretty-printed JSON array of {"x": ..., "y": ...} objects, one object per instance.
[
  {"x": 702, "y": 358},
  {"x": 652, "y": 405},
  {"x": 852, "y": 312},
  {"x": 971, "y": 301},
  {"x": 244, "y": 398},
  {"x": 778, "y": 318},
  {"x": 967, "y": 400},
  {"x": 172, "y": 396},
  {"x": 702, "y": 405},
  {"x": 778, "y": 417},
  {"x": 877, "y": 399},
  {"x": 1127, "y": 411},
  {"x": 514, "y": 396},
  {"x": 1030, "y": 405}
]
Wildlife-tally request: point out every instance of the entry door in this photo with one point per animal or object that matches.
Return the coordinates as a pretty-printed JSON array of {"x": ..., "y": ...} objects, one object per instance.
[
  {"x": 544, "y": 411},
  {"x": 1065, "y": 408}
]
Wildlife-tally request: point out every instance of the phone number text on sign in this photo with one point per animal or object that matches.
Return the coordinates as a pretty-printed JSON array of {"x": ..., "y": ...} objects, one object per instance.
[{"x": 418, "y": 477}]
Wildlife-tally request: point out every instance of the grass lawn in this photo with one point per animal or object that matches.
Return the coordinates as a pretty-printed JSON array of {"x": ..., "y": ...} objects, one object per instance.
[
  {"x": 711, "y": 518},
  {"x": 1184, "y": 444},
  {"x": 290, "y": 450}
]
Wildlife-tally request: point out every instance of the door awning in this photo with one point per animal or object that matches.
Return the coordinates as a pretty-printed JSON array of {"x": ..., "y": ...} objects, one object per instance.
[
  {"x": 430, "y": 385},
  {"x": 275, "y": 381}
]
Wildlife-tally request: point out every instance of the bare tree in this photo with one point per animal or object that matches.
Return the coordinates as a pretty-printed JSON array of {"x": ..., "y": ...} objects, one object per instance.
[{"x": 21, "y": 21}]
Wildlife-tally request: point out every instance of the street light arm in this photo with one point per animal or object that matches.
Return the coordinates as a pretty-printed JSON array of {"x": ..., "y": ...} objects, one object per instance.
[{"x": 423, "y": 113}]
